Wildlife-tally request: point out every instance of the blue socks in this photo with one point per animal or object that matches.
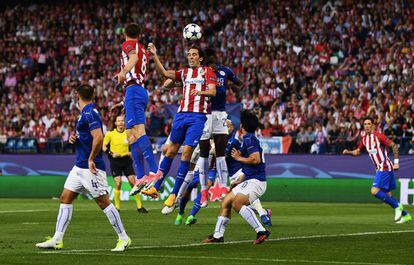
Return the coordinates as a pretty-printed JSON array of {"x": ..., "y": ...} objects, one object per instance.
[
  {"x": 387, "y": 199},
  {"x": 144, "y": 145},
  {"x": 165, "y": 168},
  {"x": 197, "y": 205},
  {"x": 183, "y": 203},
  {"x": 182, "y": 172},
  {"x": 138, "y": 162}
]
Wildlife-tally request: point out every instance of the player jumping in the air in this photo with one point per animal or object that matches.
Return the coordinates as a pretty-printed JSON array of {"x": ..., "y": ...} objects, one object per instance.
[
  {"x": 199, "y": 84},
  {"x": 88, "y": 174},
  {"x": 134, "y": 60},
  {"x": 216, "y": 128},
  {"x": 384, "y": 182}
]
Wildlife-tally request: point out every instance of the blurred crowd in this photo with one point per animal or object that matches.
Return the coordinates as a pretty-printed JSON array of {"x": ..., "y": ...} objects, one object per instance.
[{"x": 311, "y": 69}]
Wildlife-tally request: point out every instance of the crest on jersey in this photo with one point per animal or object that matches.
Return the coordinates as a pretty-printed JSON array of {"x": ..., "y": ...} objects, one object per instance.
[
  {"x": 202, "y": 71},
  {"x": 222, "y": 73}
]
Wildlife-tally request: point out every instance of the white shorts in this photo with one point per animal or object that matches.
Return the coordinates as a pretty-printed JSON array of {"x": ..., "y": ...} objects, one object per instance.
[
  {"x": 253, "y": 188},
  {"x": 81, "y": 180},
  {"x": 237, "y": 175},
  {"x": 215, "y": 124}
]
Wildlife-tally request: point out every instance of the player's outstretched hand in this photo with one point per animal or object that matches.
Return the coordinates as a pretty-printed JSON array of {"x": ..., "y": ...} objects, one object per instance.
[
  {"x": 152, "y": 49},
  {"x": 115, "y": 107},
  {"x": 92, "y": 167},
  {"x": 72, "y": 139},
  {"x": 346, "y": 152}
]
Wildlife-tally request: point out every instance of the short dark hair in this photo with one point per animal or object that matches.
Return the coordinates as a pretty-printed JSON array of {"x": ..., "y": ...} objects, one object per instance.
[
  {"x": 367, "y": 118},
  {"x": 249, "y": 121},
  {"x": 85, "y": 92},
  {"x": 132, "y": 30},
  {"x": 210, "y": 56},
  {"x": 198, "y": 48}
]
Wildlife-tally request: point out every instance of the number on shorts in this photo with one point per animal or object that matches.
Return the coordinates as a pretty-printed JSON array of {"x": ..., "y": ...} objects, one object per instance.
[{"x": 94, "y": 184}]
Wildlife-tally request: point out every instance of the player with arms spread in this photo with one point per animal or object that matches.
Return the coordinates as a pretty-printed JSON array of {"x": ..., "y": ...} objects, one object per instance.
[
  {"x": 199, "y": 84},
  {"x": 88, "y": 174},
  {"x": 134, "y": 60},
  {"x": 384, "y": 182}
]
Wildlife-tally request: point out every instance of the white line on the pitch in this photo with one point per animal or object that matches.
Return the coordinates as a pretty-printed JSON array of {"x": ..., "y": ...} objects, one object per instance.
[
  {"x": 236, "y": 259},
  {"x": 76, "y": 210},
  {"x": 235, "y": 242}
]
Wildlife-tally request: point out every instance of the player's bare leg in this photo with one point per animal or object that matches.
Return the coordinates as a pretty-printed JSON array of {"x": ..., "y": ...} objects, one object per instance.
[
  {"x": 140, "y": 208},
  {"x": 63, "y": 219}
]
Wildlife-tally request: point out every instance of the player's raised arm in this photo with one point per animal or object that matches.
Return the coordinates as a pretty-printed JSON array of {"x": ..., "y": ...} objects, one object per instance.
[
  {"x": 96, "y": 148},
  {"x": 158, "y": 65}
]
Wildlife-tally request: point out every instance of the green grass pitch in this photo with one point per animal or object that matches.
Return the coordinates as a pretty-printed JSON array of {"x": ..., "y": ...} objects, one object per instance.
[{"x": 302, "y": 233}]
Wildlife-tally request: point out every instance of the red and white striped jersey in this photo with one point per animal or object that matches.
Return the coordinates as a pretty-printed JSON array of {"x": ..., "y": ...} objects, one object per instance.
[
  {"x": 137, "y": 73},
  {"x": 376, "y": 144},
  {"x": 195, "y": 79}
]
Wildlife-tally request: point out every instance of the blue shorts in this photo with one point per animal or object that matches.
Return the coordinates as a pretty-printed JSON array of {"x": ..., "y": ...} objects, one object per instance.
[
  {"x": 187, "y": 128},
  {"x": 384, "y": 180},
  {"x": 196, "y": 180},
  {"x": 135, "y": 103}
]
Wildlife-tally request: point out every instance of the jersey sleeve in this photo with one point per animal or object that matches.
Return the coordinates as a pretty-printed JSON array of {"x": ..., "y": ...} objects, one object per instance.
[
  {"x": 107, "y": 139},
  {"x": 251, "y": 146},
  {"x": 360, "y": 145},
  {"x": 211, "y": 77},
  {"x": 93, "y": 119},
  {"x": 231, "y": 75},
  {"x": 384, "y": 140},
  {"x": 128, "y": 46},
  {"x": 178, "y": 75}
]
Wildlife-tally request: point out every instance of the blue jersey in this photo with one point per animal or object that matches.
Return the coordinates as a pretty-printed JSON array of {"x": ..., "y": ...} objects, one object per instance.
[
  {"x": 232, "y": 165},
  {"x": 249, "y": 146},
  {"x": 218, "y": 103},
  {"x": 89, "y": 120}
]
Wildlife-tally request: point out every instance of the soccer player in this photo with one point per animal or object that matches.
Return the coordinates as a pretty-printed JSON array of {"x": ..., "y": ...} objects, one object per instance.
[
  {"x": 121, "y": 162},
  {"x": 384, "y": 182},
  {"x": 250, "y": 187},
  {"x": 236, "y": 173},
  {"x": 88, "y": 174},
  {"x": 216, "y": 128},
  {"x": 134, "y": 60},
  {"x": 199, "y": 84}
]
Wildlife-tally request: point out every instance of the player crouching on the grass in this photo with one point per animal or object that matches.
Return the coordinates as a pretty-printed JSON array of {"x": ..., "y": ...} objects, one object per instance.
[{"x": 249, "y": 187}]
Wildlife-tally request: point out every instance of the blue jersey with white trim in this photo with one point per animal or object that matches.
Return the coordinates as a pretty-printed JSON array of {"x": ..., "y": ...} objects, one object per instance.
[
  {"x": 249, "y": 146},
  {"x": 218, "y": 103},
  {"x": 88, "y": 121}
]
